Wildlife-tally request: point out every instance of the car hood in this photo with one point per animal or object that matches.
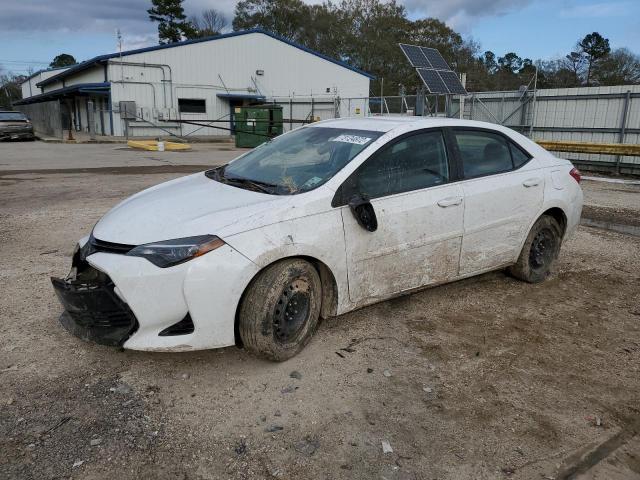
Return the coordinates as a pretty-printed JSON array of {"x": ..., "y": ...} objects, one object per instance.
[{"x": 187, "y": 206}]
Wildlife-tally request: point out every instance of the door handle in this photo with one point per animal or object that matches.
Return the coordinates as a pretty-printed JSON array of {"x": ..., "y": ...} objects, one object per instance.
[
  {"x": 449, "y": 202},
  {"x": 531, "y": 182}
]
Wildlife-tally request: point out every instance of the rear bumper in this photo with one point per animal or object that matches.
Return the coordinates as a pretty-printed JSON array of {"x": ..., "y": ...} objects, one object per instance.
[
  {"x": 16, "y": 134},
  {"x": 94, "y": 312}
]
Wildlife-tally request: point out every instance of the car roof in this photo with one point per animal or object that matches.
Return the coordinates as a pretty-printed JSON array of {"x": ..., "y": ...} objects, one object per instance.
[{"x": 386, "y": 124}]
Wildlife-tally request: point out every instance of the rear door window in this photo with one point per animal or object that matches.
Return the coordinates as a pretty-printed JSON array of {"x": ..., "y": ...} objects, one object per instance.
[{"x": 483, "y": 153}]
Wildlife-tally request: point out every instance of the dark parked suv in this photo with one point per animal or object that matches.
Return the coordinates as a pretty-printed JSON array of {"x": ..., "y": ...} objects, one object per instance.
[{"x": 15, "y": 126}]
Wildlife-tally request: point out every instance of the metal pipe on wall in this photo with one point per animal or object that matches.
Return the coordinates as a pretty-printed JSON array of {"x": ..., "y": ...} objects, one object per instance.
[
  {"x": 161, "y": 66},
  {"x": 142, "y": 83}
]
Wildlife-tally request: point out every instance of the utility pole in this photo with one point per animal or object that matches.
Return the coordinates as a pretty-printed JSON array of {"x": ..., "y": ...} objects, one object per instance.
[{"x": 119, "y": 38}]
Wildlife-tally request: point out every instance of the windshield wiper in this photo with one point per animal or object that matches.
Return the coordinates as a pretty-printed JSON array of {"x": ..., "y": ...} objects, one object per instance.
[
  {"x": 256, "y": 185},
  {"x": 214, "y": 173},
  {"x": 264, "y": 187}
]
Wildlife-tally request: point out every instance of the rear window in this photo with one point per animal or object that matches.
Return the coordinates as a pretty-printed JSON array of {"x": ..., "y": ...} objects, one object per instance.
[
  {"x": 518, "y": 156},
  {"x": 12, "y": 116}
]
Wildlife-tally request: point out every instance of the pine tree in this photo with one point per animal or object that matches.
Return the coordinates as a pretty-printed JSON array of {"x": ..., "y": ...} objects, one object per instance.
[
  {"x": 595, "y": 47},
  {"x": 172, "y": 22}
]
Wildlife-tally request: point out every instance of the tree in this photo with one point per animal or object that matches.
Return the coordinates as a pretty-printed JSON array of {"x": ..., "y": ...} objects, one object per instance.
[
  {"x": 510, "y": 63},
  {"x": 210, "y": 22},
  {"x": 595, "y": 47},
  {"x": 363, "y": 33},
  {"x": 10, "y": 90},
  {"x": 172, "y": 22},
  {"x": 373, "y": 31},
  {"x": 574, "y": 62},
  {"x": 488, "y": 58},
  {"x": 328, "y": 32},
  {"x": 63, "y": 60},
  {"x": 620, "y": 67},
  {"x": 286, "y": 18}
]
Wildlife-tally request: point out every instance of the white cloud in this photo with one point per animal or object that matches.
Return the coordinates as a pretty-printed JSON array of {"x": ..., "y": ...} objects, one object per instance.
[
  {"x": 133, "y": 42},
  {"x": 461, "y": 14},
  {"x": 131, "y": 15}
]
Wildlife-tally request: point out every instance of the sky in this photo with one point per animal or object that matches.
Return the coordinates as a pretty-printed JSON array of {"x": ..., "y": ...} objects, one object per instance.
[{"x": 33, "y": 32}]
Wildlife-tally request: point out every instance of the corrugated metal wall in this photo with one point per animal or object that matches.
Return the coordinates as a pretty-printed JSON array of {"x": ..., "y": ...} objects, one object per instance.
[
  {"x": 590, "y": 114},
  {"x": 46, "y": 118}
]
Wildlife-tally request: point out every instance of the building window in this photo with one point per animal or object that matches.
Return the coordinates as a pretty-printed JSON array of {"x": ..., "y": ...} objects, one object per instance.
[{"x": 192, "y": 105}]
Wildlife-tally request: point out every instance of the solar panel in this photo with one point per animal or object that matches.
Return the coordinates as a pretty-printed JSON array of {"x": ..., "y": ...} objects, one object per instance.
[
  {"x": 434, "y": 57},
  {"x": 452, "y": 82},
  {"x": 433, "y": 70},
  {"x": 415, "y": 56},
  {"x": 432, "y": 80}
]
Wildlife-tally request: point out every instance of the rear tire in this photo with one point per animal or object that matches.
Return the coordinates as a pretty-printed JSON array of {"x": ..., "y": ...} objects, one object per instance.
[
  {"x": 280, "y": 309},
  {"x": 540, "y": 251}
]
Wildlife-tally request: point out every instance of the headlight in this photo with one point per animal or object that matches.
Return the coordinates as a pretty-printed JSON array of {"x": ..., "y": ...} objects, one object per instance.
[{"x": 172, "y": 252}]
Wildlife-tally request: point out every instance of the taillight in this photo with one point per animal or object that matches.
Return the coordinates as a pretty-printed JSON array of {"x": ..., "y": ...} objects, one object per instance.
[{"x": 575, "y": 173}]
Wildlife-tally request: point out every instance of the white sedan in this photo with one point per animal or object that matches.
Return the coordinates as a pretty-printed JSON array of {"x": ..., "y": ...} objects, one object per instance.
[{"x": 320, "y": 221}]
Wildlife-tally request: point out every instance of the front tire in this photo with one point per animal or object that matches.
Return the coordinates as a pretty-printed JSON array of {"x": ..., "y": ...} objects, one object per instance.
[
  {"x": 540, "y": 251},
  {"x": 280, "y": 309}
]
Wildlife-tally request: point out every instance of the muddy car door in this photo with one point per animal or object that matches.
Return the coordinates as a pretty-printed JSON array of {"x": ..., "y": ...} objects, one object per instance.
[
  {"x": 402, "y": 218},
  {"x": 504, "y": 189}
]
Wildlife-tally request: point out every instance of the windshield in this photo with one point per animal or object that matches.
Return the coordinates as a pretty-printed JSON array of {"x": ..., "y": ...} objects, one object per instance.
[
  {"x": 296, "y": 162},
  {"x": 12, "y": 116}
]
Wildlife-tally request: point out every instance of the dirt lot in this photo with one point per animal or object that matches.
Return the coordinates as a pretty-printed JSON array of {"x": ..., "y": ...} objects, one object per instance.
[{"x": 485, "y": 378}]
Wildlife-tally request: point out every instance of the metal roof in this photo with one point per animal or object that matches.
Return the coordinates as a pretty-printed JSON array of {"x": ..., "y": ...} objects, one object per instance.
[
  {"x": 60, "y": 92},
  {"x": 44, "y": 70},
  {"x": 103, "y": 58}
]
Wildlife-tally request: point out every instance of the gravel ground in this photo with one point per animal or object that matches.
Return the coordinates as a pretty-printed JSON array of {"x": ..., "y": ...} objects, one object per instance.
[
  {"x": 612, "y": 202},
  {"x": 486, "y": 378}
]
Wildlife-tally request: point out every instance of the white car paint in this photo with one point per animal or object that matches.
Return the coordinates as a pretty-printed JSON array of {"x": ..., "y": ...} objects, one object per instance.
[{"x": 425, "y": 237}]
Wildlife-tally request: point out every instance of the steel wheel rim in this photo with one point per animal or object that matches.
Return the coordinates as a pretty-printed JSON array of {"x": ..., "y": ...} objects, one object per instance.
[
  {"x": 542, "y": 248},
  {"x": 292, "y": 311}
]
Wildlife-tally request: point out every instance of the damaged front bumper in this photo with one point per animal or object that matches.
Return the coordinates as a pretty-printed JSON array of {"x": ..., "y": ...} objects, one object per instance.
[
  {"x": 116, "y": 299},
  {"x": 93, "y": 310}
]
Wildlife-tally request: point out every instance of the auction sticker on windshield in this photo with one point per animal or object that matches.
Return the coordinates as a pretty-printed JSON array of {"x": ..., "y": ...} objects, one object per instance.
[{"x": 351, "y": 139}]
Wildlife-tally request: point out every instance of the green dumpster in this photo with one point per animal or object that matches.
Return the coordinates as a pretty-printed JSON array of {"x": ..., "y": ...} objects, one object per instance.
[{"x": 257, "y": 124}]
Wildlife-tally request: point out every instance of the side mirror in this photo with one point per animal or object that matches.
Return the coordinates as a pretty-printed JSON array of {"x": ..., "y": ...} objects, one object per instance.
[{"x": 365, "y": 214}]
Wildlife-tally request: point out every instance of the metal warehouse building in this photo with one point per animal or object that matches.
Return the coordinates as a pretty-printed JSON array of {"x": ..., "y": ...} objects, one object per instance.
[{"x": 144, "y": 92}]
